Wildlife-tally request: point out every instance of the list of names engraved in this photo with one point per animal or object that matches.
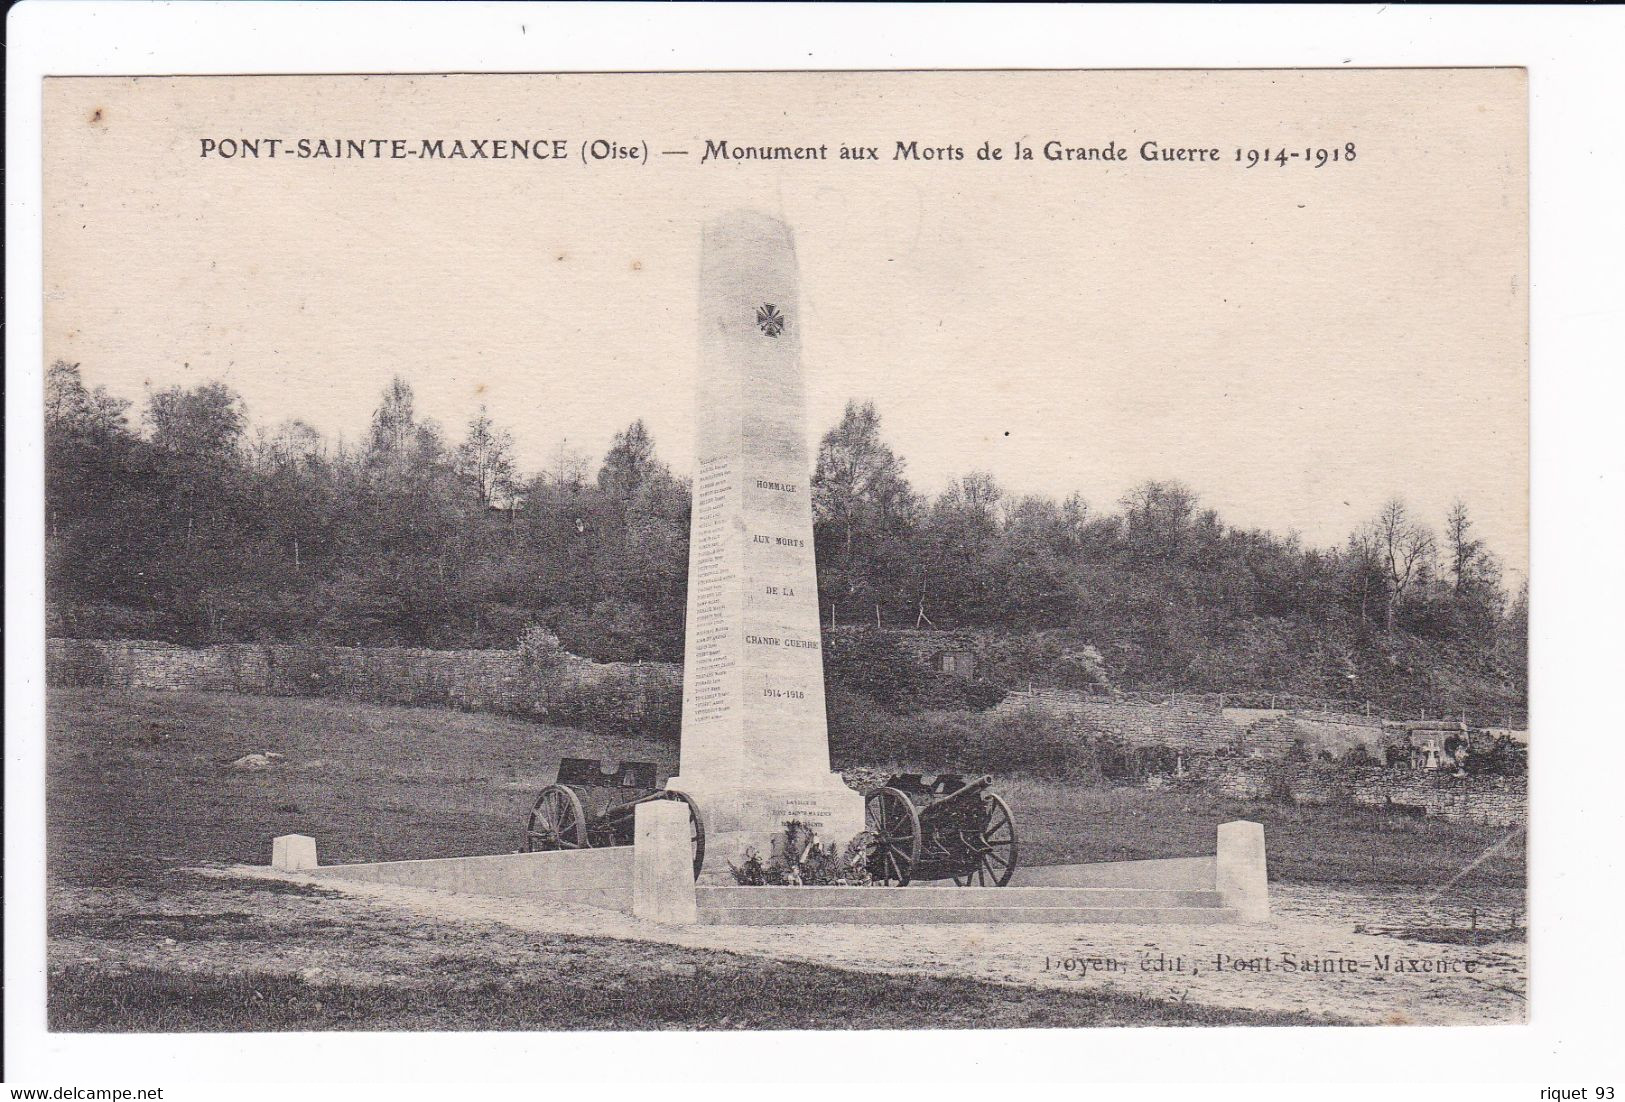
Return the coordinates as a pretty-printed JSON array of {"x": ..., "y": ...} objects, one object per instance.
[{"x": 711, "y": 661}]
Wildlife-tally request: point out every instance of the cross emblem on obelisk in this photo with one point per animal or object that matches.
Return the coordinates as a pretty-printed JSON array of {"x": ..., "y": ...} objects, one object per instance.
[{"x": 769, "y": 319}]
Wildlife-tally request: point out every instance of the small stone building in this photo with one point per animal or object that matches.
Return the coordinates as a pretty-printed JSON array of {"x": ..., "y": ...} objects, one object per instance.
[{"x": 956, "y": 663}]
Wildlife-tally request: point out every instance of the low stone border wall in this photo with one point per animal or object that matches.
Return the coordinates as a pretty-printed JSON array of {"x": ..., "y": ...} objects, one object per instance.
[
  {"x": 651, "y": 879},
  {"x": 594, "y": 877}
]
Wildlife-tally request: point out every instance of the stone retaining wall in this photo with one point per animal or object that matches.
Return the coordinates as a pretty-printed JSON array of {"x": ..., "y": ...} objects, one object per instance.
[
  {"x": 469, "y": 680},
  {"x": 1192, "y": 728},
  {"x": 1201, "y": 727},
  {"x": 1498, "y": 801},
  {"x": 1314, "y": 732}
]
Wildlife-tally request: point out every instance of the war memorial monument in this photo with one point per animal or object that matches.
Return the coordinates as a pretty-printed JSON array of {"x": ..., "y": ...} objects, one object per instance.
[
  {"x": 755, "y": 738},
  {"x": 755, "y": 743}
]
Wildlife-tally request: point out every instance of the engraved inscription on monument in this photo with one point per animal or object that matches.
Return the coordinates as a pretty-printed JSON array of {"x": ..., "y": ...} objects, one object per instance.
[{"x": 709, "y": 661}]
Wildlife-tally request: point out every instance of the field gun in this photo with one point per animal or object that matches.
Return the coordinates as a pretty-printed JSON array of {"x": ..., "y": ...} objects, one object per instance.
[
  {"x": 940, "y": 828},
  {"x": 589, "y": 806}
]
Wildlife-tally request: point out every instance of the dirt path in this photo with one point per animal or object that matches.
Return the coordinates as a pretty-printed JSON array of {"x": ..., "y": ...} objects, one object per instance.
[{"x": 1314, "y": 957}]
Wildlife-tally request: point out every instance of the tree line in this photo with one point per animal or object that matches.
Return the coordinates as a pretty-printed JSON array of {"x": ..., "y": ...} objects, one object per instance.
[{"x": 187, "y": 522}]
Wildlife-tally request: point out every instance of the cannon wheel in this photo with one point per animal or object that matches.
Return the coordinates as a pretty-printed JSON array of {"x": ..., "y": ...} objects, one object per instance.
[
  {"x": 996, "y": 848},
  {"x": 696, "y": 826},
  {"x": 895, "y": 824},
  {"x": 556, "y": 822}
]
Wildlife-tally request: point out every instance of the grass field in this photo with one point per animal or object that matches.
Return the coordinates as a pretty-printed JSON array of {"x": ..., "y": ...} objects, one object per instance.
[
  {"x": 140, "y": 785},
  {"x": 1338, "y": 844},
  {"x": 140, "y": 781},
  {"x": 228, "y": 956},
  {"x": 145, "y": 781}
]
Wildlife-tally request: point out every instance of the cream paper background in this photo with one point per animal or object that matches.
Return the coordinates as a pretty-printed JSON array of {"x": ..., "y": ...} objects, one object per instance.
[
  {"x": 1296, "y": 343},
  {"x": 1577, "y": 156}
]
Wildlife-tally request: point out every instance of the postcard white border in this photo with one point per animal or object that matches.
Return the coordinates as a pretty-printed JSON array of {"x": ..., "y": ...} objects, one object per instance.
[{"x": 1578, "y": 289}]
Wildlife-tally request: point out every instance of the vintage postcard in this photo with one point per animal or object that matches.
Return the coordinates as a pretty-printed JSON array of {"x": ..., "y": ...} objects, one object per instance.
[{"x": 764, "y": 551}]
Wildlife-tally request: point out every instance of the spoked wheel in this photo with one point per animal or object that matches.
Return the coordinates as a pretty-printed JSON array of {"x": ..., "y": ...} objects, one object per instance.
[
  {"x": 995, "y": 849},
  {"x": 696, "y": 827},
  {"x": 895, "y": 825},
  {"x": 556, "y": 822}
]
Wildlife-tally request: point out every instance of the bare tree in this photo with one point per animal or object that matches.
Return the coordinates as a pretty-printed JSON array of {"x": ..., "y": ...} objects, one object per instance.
[
  {"x": 1366, "y": 573},
  {"x": 400, "y": 445},
  {"x": 70, "y": 407},
  {"x": 394, "y": 419},
  {"x": 1405, "y": 550},
  {"x": 486, "y": 458},
  {"x": 1460, "y": 547},
  {"x": 979, "y": 493},
  {"x": 568, "y": 466},
  {"x": 291, "y": 441}
]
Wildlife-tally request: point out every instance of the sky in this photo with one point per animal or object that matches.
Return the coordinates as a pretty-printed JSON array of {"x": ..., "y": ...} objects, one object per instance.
[{"x": 1298, "y": 344}]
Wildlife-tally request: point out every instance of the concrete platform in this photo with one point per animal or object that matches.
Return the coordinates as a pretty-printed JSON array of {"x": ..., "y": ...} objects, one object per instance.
[
  {"x": 772, "y": 906},
  {"x": 916, "y": 895},
  {"x": 654, "y": 880},
  {"x": 1200, "y": 873}
]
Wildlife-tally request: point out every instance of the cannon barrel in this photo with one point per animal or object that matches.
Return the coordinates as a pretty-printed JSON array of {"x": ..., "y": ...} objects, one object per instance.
[
  {"x": 971, "y": 790},
  {"x": 622, "y": 811}
]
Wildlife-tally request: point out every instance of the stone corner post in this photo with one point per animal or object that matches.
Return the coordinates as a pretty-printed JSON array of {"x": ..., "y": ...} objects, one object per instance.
[
  {"x": 293, "y": 852},
  {"x": 1243, "y": 878},
  {"x": 663, "y": 864}
]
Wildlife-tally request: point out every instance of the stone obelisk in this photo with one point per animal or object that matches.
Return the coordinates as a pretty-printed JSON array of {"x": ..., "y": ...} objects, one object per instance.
[{"x": 755, "y": 741}]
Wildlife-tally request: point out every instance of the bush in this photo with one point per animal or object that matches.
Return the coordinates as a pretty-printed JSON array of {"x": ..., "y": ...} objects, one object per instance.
[
  {"x": 799, "y": 859},
  {"x": 1504, "y": 758},
  {"x": 539, "y": 650},
  {"x": 873, "y": 664},
  {"x": 864, "y": 734},
  {"x": 982, "y": 695},
  {"x": 105, "y": 620},
  {"x": 861, "y": 732},
  {"x": 638, "y": 700},
  {"x": 614, "y": 631},
  {"x": 1113, "y": 760},
  {"x": 1049, "y": 658},
  {"x": 1356, "y": 757},
  {"x": 641, "y": 701},
  {"x": 1155, "y": 759}
]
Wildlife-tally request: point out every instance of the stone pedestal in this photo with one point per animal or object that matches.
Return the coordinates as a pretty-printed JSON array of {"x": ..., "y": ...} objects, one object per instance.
[
  {"x": 1242, "y": 873},
  {"x": 293, "y": 852},
  {"x": 663, "y": 863},
  {"x": 755, "y": 742}
]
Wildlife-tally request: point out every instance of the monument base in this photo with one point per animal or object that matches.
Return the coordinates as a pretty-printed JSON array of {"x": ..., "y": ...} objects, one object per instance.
[{"x": 737, "y": 819}]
